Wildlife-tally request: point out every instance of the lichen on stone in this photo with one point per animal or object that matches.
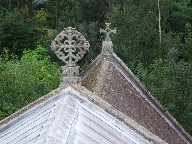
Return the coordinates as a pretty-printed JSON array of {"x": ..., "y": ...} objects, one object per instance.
[{"x": 90, "y": 81}]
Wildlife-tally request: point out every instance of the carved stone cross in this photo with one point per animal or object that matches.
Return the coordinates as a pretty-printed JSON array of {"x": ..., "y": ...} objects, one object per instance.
[
  {"x": 107, "y": 31},
  {"x": 107, "y": 45},
  {"x": 70, "y": 46}
]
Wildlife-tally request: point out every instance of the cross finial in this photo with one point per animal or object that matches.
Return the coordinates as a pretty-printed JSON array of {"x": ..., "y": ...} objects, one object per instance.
[
  {"x": 107, "y": 31},
  {"x": 107, "y": 46},
  {"x": 70, "y": 46}
]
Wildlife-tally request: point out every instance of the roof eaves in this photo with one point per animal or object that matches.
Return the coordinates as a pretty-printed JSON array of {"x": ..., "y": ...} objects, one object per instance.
[{"x": 10, "y": 118}]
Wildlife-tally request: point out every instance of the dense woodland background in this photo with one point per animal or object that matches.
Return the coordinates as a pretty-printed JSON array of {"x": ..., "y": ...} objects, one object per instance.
[{"x": 154, "y": 39}]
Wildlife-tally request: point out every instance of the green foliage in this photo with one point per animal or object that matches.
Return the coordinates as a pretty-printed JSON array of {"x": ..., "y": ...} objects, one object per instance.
[
  {"x": 137, "y": 38},
  {"x": 180, "y": 13},
  {"x": 179, "y": 20},
  {"x": 17, "y": 34},
  {"x": 137, "y": 32},
  {"x": 171, "y": 82},
  {"x": 165, "y": 68},
  {"x": 25, "y": 80},
  {"x": 71, "y": 12},
  {"x": 41, "y": 17}
]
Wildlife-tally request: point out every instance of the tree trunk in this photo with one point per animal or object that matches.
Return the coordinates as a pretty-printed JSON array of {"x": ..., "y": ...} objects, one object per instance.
[
  {"x": 20, "y": 5},
  {"x": 30, "y": 7},
  {"x": 160, "y": 33},
  {"x": 56, "y": 15}
]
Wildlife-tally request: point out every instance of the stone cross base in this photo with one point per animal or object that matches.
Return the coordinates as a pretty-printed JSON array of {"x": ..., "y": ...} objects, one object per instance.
[
  {"x": 70, "y": 71},
  {"x": 67, "y": 81},
  {"x": 70, "y": 76},
  {"x": 107, "y": 47}
]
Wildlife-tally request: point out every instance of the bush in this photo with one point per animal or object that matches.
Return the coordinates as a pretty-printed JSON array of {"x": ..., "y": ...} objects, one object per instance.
[
  {"x": 25, "y": 80},
  {"x": 18, "y": 33}
]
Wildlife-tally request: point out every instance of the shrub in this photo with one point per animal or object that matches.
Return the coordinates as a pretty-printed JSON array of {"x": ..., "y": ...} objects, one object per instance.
[{"x": 25, "y": 80}]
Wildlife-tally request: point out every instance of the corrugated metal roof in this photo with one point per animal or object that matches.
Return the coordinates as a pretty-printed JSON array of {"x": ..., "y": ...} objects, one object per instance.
[{"x": 67, "y": 118}]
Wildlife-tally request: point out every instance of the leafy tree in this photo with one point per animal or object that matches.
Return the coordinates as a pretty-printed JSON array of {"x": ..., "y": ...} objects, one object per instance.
[
  {"x": 25, "y": 80},
  {"x": 17, "y": 33},
  {"x": 179, "y": 20},
  {"x": 137, "y": 23},
  {"x": 20, "y": 5},
  {"x": 171, "y": 82},
  {"x": 180, "y": 15},
  {"x": 137, "y": 37}
]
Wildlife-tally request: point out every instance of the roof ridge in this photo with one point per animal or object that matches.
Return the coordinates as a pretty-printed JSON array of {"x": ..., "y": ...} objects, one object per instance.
[{"x": 86, "y": 95}]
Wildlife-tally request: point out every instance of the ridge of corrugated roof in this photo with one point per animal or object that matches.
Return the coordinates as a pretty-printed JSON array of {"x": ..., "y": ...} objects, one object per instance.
[
  {"x": 98, "y": 61},
  {"x": 85, "y": 95}
]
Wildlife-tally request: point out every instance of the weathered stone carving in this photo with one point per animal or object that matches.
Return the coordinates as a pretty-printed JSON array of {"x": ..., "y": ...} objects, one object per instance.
[
  {"x": 107, "y": 45},
  {"x": 70, "y": 46},
  {"x": 108, "y": 31}
]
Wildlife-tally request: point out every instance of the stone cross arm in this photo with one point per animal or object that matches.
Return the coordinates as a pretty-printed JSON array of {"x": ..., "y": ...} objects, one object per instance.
[{"x": 108, "y": 31}]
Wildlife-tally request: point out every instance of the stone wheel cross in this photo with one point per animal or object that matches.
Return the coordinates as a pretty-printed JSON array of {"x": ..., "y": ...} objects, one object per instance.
[{"x": 70, "y": 46}]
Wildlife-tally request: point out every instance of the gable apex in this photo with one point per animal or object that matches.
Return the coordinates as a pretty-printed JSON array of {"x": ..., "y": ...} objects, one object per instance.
[
  {"x": 109, "y": 78},
  {"x": 70, "y": 116}
]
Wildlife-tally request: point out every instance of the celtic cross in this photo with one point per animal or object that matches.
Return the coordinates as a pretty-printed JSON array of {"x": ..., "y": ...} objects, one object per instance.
[
  {"x": 70, "y": 46},
  {"x": 107, "y": 31},
  {"x": 107, "y": 45}
]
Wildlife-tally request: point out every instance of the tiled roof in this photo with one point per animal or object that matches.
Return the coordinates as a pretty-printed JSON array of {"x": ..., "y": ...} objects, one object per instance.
[
  {"x": 70, "y": 116},
  {"x": 109, "y": 78}
]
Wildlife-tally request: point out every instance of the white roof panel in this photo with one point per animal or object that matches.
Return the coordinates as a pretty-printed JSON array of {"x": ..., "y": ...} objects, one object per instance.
[{"x": 67, "y": 118}]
